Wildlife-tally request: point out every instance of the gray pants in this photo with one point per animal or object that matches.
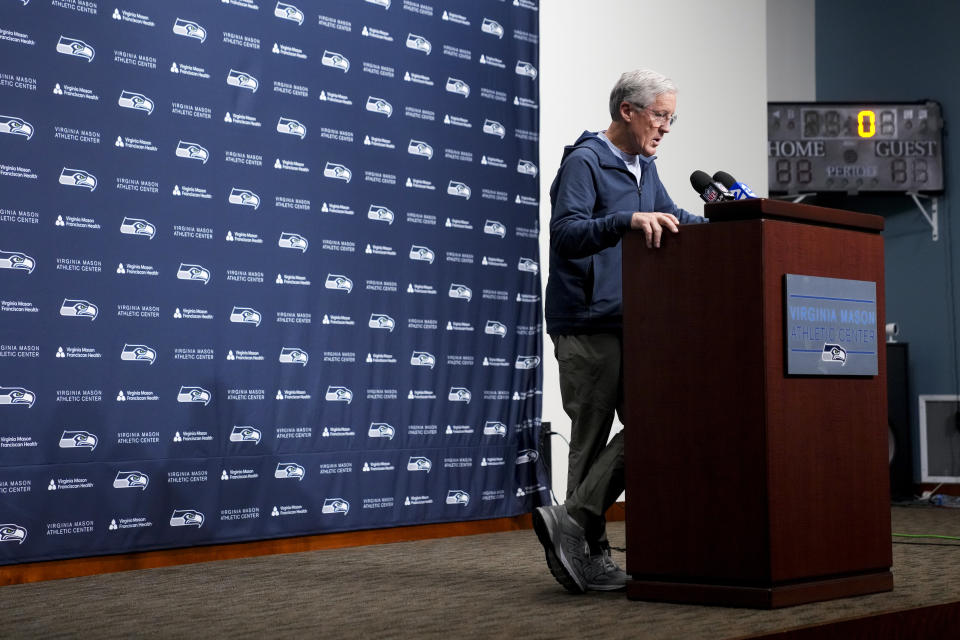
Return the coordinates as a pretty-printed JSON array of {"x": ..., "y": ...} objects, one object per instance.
[{"x": 591, "y": 387}]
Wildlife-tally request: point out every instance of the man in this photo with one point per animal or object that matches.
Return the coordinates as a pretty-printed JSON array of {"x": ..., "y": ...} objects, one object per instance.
[{"x": 607, "y": 185}]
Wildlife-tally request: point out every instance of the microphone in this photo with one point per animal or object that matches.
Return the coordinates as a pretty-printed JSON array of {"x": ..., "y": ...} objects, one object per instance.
[
  {"x": 710, "y": 190},
  {"x": 739, "y": 190}
]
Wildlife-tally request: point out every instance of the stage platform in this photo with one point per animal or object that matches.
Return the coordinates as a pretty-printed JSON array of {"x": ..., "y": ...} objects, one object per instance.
[{"x": 493, "y": 585}]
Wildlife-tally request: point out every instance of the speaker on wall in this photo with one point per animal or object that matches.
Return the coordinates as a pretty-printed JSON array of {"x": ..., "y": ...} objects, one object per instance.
[{"x": 898, "y": 414}]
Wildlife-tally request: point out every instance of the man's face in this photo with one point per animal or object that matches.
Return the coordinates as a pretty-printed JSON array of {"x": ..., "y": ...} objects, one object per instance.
[{"x": 647, "y": 126}]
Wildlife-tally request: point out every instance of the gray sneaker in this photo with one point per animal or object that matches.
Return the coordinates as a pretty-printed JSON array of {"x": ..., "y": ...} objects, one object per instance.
[
  {"x": 603, "y": 574},
  {"x": 565, "y": 546}
]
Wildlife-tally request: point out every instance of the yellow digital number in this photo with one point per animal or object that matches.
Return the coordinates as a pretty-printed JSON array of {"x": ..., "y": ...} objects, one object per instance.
[{"x": 866, "y": 124}]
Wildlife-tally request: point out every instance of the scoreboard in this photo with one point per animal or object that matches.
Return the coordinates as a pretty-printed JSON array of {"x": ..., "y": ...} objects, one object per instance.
[{"x": 846, "y": 147}]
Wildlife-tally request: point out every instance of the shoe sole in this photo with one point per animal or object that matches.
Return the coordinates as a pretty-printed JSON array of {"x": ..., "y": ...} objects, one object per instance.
[
  {"x": 606, "y": 587},
  {"x": 555, "y": 562}
]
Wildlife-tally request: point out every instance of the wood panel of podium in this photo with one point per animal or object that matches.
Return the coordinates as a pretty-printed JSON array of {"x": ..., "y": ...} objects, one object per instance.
[{"x": 746, "y": 485}]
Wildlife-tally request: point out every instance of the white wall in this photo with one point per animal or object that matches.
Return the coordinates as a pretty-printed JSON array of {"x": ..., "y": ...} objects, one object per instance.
[
  {"x": 791, "y": 51},
  {"x": 716, "y": 52}
]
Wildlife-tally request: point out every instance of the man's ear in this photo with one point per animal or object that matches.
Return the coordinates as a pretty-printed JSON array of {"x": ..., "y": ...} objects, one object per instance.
[{"x": 626, "y": 111}]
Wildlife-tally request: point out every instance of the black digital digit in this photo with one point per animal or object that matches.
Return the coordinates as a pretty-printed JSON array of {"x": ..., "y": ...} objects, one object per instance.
[
  {"x": 831, "y": 123},
  {"x": 898, "y": 170},
  {"x": 920, "y": 174},
  {"x": 783, "y": 171},
  {"x": 804, "y": 171},
  {"x": 886, "y": 123},
  {"x": 811, "y": 124}
]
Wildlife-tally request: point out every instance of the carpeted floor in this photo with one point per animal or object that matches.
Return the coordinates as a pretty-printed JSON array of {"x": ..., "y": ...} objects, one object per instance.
[{"x": 485, "y": 586}]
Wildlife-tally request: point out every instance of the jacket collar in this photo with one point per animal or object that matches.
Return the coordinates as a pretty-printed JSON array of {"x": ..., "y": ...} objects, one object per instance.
[{"x": 608, "y": 159}]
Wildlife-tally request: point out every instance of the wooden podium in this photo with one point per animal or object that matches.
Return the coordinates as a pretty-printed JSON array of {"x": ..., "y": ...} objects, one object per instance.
[{"x": 747, "y": 486}]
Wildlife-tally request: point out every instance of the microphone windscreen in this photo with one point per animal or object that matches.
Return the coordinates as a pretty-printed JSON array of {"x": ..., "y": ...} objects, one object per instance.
[
  {"x": 725, "y": 179},
  {"x": 699, "y": 180}
]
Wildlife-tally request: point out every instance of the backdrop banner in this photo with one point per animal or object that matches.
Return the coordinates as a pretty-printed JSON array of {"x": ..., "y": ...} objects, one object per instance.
[{"x": 266, "y": 269}]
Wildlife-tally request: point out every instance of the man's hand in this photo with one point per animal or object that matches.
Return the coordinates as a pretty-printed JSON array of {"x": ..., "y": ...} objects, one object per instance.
[{"x": 652, "y": 224}]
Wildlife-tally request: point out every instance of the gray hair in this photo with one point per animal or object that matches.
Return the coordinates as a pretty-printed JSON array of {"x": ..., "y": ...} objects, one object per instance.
[{"x": 640, "y": 87}]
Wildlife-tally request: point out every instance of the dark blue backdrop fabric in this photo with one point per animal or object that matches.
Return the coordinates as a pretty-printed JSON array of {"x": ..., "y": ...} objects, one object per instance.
[{"x": 266, "y": 269}]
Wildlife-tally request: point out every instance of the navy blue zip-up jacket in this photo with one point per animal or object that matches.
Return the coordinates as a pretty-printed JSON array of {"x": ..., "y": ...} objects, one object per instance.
[{"x": 593, "y": 197}]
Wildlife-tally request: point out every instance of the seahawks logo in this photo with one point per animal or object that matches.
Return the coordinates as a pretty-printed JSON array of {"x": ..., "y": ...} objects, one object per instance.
[
  {"x": 338, "y": 394},
  {"x": 16, "y": 126},
  {"x": 245, "y": 434},
  {"x": 194, "y": 395},
  {"x": 381, "y": 321},
  {"x": 138, "y": 101},
  {"x": 527, "y": 168},
  {"x": 494, "y": 128},
  {"x": 459, "y": 394},
  {"x": 335, "y": 505},
  {"x": 242, "y": 80},
  {"x": 286, "y": 11},
  {"x": 294, "y": 355},
  {"x": 492, "y": 27},
  {"x": 527, "y": 362},
  {"x": 17, "y": 396},
  {"x": 527, "y": 455},
  {"x": 192, "y": 151},
  {"x": 455, "y": 85},
  {"x": 458, "y": 497},
  {"x": 528, "y": 265},
  {"x": 291, "y": 127},
  {"x": 131, "y": 480},
  {"x": 834, "y": 353},
  {"x": 379, "y": 105},
  {"x": 189, "y": 29},
  {"x": 419, "y": 463},
  {"x": 78, "y": 440},
  {"x": 380, "y": 214},
  {"x": 422, "y": 254},
  {"x": 78, "y": 178},
  {"x": 186, "y": 518},
  {"x": 13, "y": 532},
  {"x": 245, "y": 315},
  {"x": 460, "y": 292},
  {"x": 526, "y": 69},
  {"x": 494, "y": 228},
  {"x": 338, "y": 283},
  {"x": 458, "y": 189},
  {"x": 193, "y": 272},
  {"x": 420, "y": 148},
  {"x": 419, "y": 43},
  {"x": 337, "y": 172},
  {"x": 495, "y": 328},
  {"x": 381, "y": 430},
  {"x": 494, "y": 428},
  {"x": 335, "y": 60},
  {"x": 78, "y": 309},
  {"x": 137, "y": 227},
  {"x": 289, "y": 470},
  {"x": 138, "y": 353},
  {"x": 17, "y": 260},
  {"x": 74, "y": 47},
  {"x": 244, "y": 197},
  {"x": 293, "y": 241},
  {"x": 423, "y": 359}
]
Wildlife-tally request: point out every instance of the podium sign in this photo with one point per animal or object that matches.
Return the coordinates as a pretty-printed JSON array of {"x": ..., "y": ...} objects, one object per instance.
[{"x": 831, "y": 326}]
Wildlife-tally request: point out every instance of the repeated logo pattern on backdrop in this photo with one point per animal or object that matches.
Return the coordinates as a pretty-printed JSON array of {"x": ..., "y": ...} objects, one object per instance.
[{"x": 266, "y": 269}]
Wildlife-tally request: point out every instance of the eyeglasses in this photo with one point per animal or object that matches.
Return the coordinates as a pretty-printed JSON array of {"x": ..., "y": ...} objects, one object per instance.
[{"x": 661, "y": 117}]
